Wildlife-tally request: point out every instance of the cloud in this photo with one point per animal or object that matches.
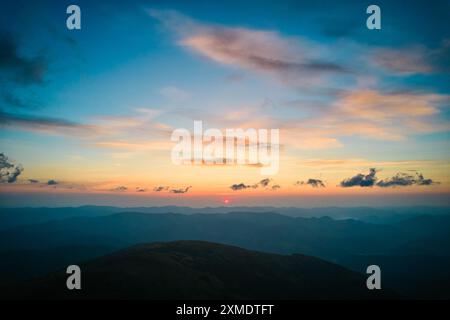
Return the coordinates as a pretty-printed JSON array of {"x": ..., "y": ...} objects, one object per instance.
[
  {"x": 399, "y": 180},
  {"x": 275, "y": 187},
  {"x": 378, "y": 106},
  {"x": 315, "y": 183},
  {"x": 119, "y": 189},
  {"x": 361, "y": 180},
  {"x": 239, "y": 186},
  {"x": 266, "y": 183},
  {"x": 287, "y": 59},
  {"x": 138, "y": 189},
  {"x": 373, "y": 114},
  {"x": 160, "y": 188},
  {"x": 332, "y": 164},
  {"x": 421, "y": 181},
  {"x": 414, "y": 60},
  {"x": 52, "y": 182},
  {"x": 135, "y": 145},
  {"x": 8, "y": 170},
  {"x": 181, "y": 190},
  {"x": 16, "y": 67},
  {"x": 47, "y": 125},
  {"x": 33, "y": 181},
  {"x": 254, "y": 50},
  {"x": 403, "y": 61},
  {"x": 171, "y": 190},
  {"x": 404, "y": 179},
  {"x": 263, "y": 183}
]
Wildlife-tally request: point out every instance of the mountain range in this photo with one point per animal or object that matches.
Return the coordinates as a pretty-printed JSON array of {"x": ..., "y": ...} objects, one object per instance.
[{"x": 411, "y": 248}]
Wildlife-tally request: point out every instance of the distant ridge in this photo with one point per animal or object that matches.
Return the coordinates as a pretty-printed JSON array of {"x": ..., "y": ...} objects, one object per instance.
[{"x": 11, "y": 217}]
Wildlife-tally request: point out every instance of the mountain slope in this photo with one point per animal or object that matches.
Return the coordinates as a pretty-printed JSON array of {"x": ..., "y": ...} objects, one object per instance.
[{"x": 203, "y": 270}]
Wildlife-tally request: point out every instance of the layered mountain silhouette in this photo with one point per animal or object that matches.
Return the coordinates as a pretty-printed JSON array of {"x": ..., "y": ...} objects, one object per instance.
[
  {"x": 203, "y": 270},
  {"x": 412, "y": 248}
]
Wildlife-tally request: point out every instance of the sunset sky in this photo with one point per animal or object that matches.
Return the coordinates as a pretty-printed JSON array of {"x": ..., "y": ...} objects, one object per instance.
[{"x": 89, "y": 113}]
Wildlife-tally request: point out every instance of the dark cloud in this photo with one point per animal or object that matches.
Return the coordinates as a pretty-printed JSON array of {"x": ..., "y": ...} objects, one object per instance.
[
  {"x": 421, "y": 181},
  {"x": 8, "y": 170},
  {"x": 52, "y": 182},
  {"x": 160, "y": 188},
  {"x": 181, "y": 190},
  {"x": 399, "y": 180},
  {"x": 315, "y": 183},
  {"x": 17, "y": 71},
  {"x": 264, "y": 183},
  {"x": 44, "y": 124},
  {"x": 18, "y": 68},
  {"x": 174, "y": 190},
  {"x": 138, "y": 189},
  {"x": 27, "y": 120},
  {"x": 239, "y": 186},
  {"x": 361, "y": 180},
  {"x": 33, "y": 181},
  {"x": 270, "y": 64},
  {"x": 404, "y": 179}
]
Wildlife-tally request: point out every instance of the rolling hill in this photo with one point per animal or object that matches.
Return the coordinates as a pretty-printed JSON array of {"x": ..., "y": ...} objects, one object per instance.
[{"x": 203, "y": 270}]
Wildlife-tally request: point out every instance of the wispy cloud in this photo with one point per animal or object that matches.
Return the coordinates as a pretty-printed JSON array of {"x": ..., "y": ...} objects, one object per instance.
[
  {"x": 371, "y": 114},
  {"x": 403, "y": 61},
  {"x": 288, "y": 59},
  {"x": 416, "y": 59},
  {"x": 378, "y": 106},
  {"x": 112, "y": 132},
  {"x": 47, "y": 125}
]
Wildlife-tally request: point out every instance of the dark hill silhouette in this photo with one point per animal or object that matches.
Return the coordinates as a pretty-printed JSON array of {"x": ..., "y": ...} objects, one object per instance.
[{"x": 204, "y": 270}]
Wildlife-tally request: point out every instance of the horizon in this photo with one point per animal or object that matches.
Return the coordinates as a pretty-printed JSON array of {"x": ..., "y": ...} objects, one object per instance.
[{"x": 231, "y": 207}]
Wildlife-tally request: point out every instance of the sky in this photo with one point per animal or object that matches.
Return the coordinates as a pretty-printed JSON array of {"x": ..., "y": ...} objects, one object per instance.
[{"x": 86, "y": 116}]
